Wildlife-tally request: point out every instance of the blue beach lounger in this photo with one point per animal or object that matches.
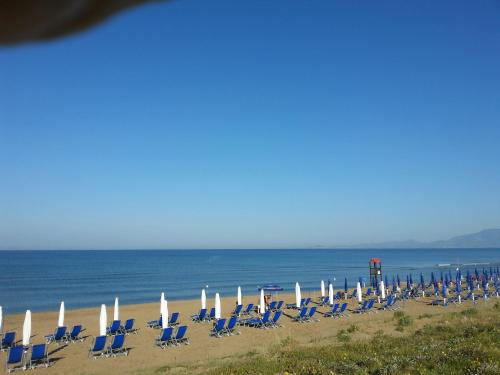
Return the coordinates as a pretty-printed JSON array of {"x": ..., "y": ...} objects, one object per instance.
[
  {"x": 237, "y": 310},
  {"x": 128, "y": 327},
  {"x": 211, "y": 316},
  {"x": 8, "y": 340},
  {"x": 332, "y": 312},
  {"x": 274, "y": 322},
  {"x": 73, "y": 335},
  {"x": 14, "y": 359},
  {"x": 218, "y": 329},
  {"x": 98, "y": 347},
  {"x": 230, "y": 328},
  {"x": 155, "y": 323},
  {"x": 164, "y": 338},
  {"x": 272, "y": 305},
  {"x": 180, "y": 336},
  {"x": 309, "y": 317},
  {"x": 114, "y": 329},
  {"x": 280, "y": 304},
  {"x": 174, "y": 319},
  {"x": 58, "y": 336},
  {"x": 200, "y": 316},
  {"x": 301, "y": 316},
  {"x": 248, "y": 310},
  {"x": 39, "y": 357},
  {"x": 117, "y": 348},
  {"x": 342, "y": 311},
  {"x": 259, "y": 322},
  {"x": 362, "y": 308}
]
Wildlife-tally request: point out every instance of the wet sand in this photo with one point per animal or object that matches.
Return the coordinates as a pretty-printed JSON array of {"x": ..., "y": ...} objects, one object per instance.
[{"x": 144, "y": 357}]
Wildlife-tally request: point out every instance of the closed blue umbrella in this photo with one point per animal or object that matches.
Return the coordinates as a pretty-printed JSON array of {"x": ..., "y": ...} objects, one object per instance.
[
  {"x": 468, "y": 275},
  {"x": 422, "y": 282},
  {"x": 411, "y": 281},
  {"x": 394, "y": 288},
  {"x": 445, "y": 291},
  {"x": 399, "y": 281},
  {"x": 407, "y": 282},
  {"x": 433, "y": 279},
  {"x": 386, "y": 282},
  {"x": 441, "y": 279},
  {"x": 345, "y": 284},
  {"x": 446, "y": 279},
  {"x": 449, "y": 275},
  {"x": 476, "y": 273},
  {"x": 458, "y": 288}
]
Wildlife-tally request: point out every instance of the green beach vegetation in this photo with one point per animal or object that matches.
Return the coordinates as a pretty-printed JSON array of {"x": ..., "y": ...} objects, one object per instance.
[{"x": 465, "y": 342}]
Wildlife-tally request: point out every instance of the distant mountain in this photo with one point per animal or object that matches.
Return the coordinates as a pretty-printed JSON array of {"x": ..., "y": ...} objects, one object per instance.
[{"x": 488, "y": 238}]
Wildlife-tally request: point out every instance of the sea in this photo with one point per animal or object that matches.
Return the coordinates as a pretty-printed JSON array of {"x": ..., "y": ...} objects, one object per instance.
[{"x": 39, "y": 280}]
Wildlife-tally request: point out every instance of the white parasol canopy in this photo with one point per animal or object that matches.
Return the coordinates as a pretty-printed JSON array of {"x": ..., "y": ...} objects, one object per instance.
[
  {"x": 298, "y": 296},
  {"x": 103, "y": 321},
  {"x": 217, "y": 306},
  {"x": 239, "y": 295},
  {"x": 27, "y": 328},
  {"x": 262, "y": 303},
  {"x": 60, "y": 321},
  {"x": 359, "y": 293}
]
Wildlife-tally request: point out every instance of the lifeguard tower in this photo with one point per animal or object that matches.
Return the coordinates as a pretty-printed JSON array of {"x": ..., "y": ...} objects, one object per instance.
[{"x": 375, "y": 265}]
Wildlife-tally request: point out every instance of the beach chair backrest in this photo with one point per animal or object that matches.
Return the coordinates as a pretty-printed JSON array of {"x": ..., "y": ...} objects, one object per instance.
[
  {"x": 280, "y": 305},
  {"x": 212, "y": 312},
  {"x": 203, "y": 314},
  {"x": 343, "y": 307},
  {"x": 238, "y": 309},
  {"x": 265, "y": 317},
  {"x": 166, "y": 334},
  {"x": 118, "y": 342},
  {"x": 15, "y": 354},
  {"x": 129, "y": 324},
  {"x": 38, "y": 352},
  {"x": 272, "y": 305},
  {"x": 312, "y": 311},
  {"x": 76, "y": 330},
  {"x": 181, "y": 332},
  {"x": 8, "y": 339},
  {"x": 99, "y": 343},
  {"x": 219, "y": 326},
  {"x": 232, "y": 322},
  {"x": 174, "y": 318},
  {"x": 60, "y": 332},
  {"x": 307, "y": 301},
  {"x": 249, "y": 307},
  {"x": 370, "y": 304},
  {"x": 277, "y": 316},
  {"x": 369, "y": 291},
  {"x": 115, "y": 326},
  {"x": 303, "y": 312},
  {"x": 335, "y": 308}
]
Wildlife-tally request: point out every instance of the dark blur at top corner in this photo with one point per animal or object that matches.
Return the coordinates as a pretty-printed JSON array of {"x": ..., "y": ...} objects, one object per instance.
[{"x": 23, "y": 21}]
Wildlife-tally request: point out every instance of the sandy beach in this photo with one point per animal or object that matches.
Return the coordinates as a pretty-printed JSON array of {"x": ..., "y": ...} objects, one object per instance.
[{"x": 145, "y": 357}]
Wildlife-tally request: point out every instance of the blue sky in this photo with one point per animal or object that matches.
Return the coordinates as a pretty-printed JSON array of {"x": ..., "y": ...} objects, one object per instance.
[{"x": 223, "y": 124}]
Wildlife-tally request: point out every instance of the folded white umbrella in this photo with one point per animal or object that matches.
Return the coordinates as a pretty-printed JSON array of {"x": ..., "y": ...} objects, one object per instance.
[
  {"x": 262, "y": 303},
  {"x": 359, "y": 293},
  {"x": 27, "y": 328},
  {"x": 116, "y": 311},
  {"x": 322, "y": 288},
  {"x": 382, "y": 289},
  {"x": 239, "y": 295},
  {"x": 60, "y": 321},
  {"x": 103, "y": 321},
  {"x": 164, "y": 313},
  {"x": 203, "y": 299},
  {"x": 162, "y": 301},
  {"x": 1, "y": 319},
  {"x": 217, "y": 306},
  {"x": 330, "y": 294},
  {"x": 298, "y": 296}
]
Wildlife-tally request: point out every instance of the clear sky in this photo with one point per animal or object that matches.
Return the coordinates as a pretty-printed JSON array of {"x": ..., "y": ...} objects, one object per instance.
[{"x": 207, "y": 124}]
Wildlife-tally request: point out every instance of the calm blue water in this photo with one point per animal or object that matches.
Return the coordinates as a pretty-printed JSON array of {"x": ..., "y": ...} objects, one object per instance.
[{"x": 39, "y": 280}]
